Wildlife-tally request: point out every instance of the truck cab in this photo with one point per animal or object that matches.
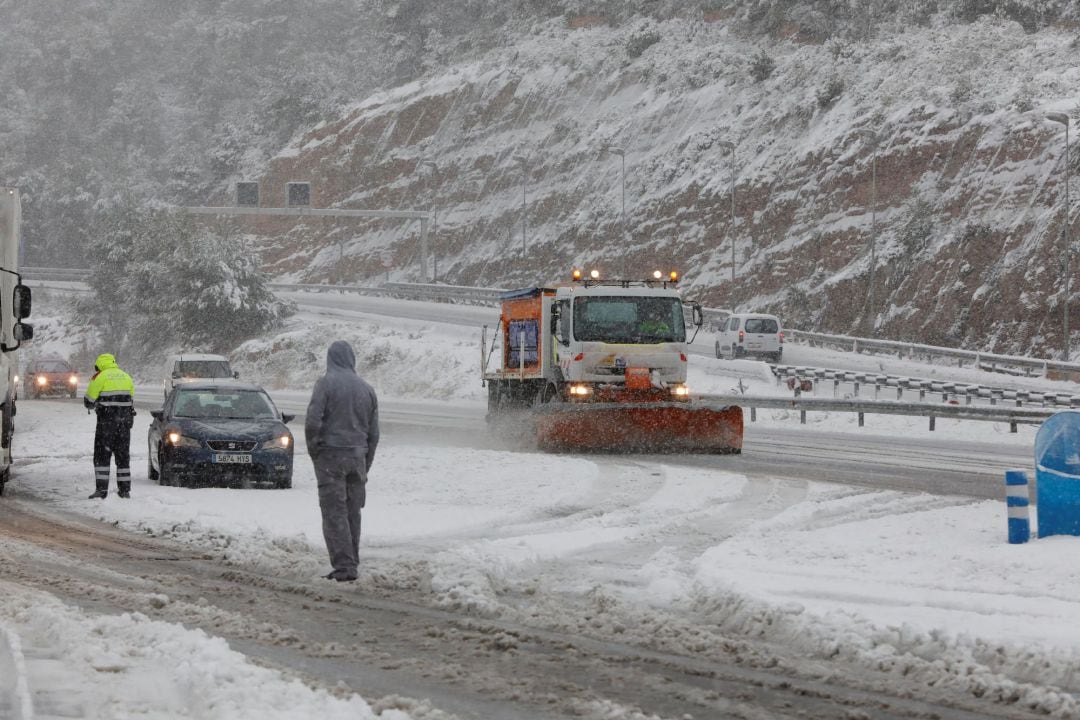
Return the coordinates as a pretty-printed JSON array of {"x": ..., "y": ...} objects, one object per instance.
[{"x": 592, "y": 340}]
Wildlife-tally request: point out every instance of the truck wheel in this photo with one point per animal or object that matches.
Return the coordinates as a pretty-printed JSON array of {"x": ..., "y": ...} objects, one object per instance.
[
  {"x": 7, "y": 422},
  {"x": 549, "y": 393}
]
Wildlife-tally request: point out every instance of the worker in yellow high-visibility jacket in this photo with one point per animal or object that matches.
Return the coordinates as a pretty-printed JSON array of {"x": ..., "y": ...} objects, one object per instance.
[{"x": 112, "y": 395}]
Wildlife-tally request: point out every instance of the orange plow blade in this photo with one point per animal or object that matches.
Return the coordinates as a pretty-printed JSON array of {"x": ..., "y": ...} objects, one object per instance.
[{"x": 640, "y": 427}]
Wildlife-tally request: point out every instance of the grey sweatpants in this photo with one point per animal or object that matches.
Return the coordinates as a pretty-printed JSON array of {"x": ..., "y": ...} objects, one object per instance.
[{"x": 342, "y": 477}]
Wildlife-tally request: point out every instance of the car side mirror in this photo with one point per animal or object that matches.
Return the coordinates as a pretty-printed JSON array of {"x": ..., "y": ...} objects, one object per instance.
[
  {"x": 236, "y": 374},
  {"x": 287, "y": 418},
  {"x": 699, "y": 315},
  {"x": 158, "y": 415},
  {"x": 176, "y": 375}
]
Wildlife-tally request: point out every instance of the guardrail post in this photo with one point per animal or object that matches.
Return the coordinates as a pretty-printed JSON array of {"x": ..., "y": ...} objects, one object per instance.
[
  {"x": 1017, "y": 503},
  {"x": 802, "y": 417},
  {"x": 1012, "y": 426},
  {"x": 855, "y": 345},
  {"x": 899, "y": 392},
  {"x": 932, "y": 423},
  {"x": 856, "y": 388},
  {"x": 861, "y": 418},
  {"x": 753, "y": 414},
  {"x": 836, "y": 387}
]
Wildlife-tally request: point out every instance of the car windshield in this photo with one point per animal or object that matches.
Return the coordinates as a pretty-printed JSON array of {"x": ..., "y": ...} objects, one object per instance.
[
  {"x": 629, "y": 319},
  {"x": 224, "y": 403},
  {"x": 761, "y": 325},
  {"x": 203, "y": 369},
  {"x": 52, "y": 366}
]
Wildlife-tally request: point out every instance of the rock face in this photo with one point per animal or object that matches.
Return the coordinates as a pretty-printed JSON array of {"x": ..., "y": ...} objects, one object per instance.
[{"x": 926, "y": 147}]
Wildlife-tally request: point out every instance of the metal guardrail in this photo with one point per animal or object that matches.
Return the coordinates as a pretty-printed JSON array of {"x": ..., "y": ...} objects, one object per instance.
[
  {"x": 932, "y": 411},
  {"x": 947, "y": 389},
  {"x": 983, "y": 360}
]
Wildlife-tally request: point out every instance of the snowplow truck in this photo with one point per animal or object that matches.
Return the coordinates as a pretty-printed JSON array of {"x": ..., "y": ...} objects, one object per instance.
[{"x": 601, "y": 366}]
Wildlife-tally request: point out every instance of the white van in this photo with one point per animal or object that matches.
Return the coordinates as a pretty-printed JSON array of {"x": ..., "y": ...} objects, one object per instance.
[
  {"x": 196, "y": 366},
  {"x": 750, "y": 335}
]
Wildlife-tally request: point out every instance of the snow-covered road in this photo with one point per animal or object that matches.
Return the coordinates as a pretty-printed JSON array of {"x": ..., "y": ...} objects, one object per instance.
[{"x": 499, "y": 582}]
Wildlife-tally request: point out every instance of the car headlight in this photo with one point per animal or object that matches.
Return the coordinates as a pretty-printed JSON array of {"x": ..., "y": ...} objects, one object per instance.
[
  {"x": 178, "y": 439},
  {"x": 73, "y": 380},
  {"x": 42, "y": 380},
  {"x": 281, "y": 442}
]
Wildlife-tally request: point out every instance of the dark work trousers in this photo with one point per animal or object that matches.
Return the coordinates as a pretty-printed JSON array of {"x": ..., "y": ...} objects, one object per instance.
[
  {"x": 342, "y": 478},
  {"x": 112, "y": 439}
]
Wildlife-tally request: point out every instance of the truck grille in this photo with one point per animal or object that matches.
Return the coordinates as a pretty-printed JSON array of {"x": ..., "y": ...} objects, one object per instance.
[{"x": 231, "y": 445}]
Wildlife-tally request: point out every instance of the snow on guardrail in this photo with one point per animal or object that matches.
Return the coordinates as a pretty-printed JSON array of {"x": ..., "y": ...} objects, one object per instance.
[
  {"x": 1011, "y": 415},
  {"x": 947, "y": 389}
]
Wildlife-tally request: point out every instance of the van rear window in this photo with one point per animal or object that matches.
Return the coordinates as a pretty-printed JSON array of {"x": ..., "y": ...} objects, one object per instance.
[{"x": 761, "y": 325}]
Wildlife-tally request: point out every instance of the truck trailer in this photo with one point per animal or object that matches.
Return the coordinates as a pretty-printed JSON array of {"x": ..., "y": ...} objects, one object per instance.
[
  {"x": 600, "y": 365},
  {"x": 14, "y": 308}
]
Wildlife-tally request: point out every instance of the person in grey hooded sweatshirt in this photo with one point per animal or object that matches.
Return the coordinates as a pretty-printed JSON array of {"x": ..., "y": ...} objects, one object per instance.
[{"x": 342, "y": 432}]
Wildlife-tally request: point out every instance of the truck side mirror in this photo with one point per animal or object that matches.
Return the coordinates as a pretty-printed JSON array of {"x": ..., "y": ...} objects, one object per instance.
[
  {"x": 699, "y": 316},
  {"x": 21, "y": 302},
  {"x": 22, "y": 331}
]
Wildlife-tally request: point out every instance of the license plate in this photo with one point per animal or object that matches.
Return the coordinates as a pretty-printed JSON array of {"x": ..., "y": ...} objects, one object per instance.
[
  {"x": 242, "y": 459},
  {"x": 754, "y": 345}
]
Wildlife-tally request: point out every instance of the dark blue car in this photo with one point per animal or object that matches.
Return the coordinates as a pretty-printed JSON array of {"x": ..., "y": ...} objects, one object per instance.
[{"x": 220, "y": 433}]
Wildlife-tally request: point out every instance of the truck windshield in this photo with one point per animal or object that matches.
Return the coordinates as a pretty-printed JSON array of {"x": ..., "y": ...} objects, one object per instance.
[{"x": 629, "y": 320}]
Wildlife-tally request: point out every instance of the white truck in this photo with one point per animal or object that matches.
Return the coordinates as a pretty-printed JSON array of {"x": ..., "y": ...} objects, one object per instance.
[
  {"x": 14, "y": 308},
  {"x": 601, "y": 365}
]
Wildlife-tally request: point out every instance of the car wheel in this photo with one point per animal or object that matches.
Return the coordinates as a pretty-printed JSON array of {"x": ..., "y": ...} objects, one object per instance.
[
  {"x": 165, "y": 476},
  {"x": 285, "y": 484},
  {"x": 151, "y": 473}
]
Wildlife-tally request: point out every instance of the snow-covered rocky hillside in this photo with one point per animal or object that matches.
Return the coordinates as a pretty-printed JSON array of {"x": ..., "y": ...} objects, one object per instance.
[{"x": 967, "y": 218}]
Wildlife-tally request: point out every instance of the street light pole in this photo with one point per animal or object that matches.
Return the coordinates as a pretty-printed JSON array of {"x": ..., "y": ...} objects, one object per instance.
[
  {"x": 524, "y": 165},
  {"x": 871, "y": 304},
  {"x": 622, "y": 156},
  {"x": 730, "y": 147},
  {"x": 434, "y": 221},
  {"x": 1064, "y": 120}
]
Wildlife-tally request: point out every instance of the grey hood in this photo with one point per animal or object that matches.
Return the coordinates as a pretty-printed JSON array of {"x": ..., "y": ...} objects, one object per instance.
[{"x": 340, "y": 356}]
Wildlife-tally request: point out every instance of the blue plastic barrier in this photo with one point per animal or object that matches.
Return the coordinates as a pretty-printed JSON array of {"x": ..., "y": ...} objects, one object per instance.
[
  {"x": 1017, "y": 500},
  {"x": 1057, "y": 474}
]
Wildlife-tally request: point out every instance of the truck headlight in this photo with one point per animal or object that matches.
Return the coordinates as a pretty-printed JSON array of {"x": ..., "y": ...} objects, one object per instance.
[
  {"x": 42, "y": 380},
  {"x": 680, "y": 391},
  {"x": 177, "y": 439},
  {"x": 281, "y": 442},
  {"x": 580, "y": 390}
]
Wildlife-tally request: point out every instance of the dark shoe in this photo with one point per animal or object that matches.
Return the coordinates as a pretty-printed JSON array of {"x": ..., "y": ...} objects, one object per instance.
[
  {"x": 124, "y": 494},
  {"x": 340, "y": 576},
  {"x": 98, "y": 494}
]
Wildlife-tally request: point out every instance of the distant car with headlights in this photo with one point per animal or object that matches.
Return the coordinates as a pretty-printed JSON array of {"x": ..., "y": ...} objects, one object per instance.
[
  {"x": 222, "y": 433},
  {"x": 50, "y": 376}
]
